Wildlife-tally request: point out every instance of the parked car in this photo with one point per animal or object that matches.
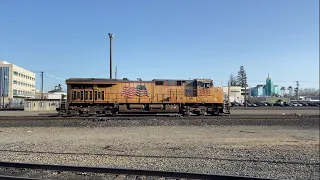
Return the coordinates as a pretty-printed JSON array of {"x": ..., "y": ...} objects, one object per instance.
[
  {"x": 278, "y": 104},
  {"x": 286, "y": 104},
  {"x": 313, "y": 104},
  {"x": 261, "y": 104},
  {"x": 255, "y": 105},
  {"x": 235, "y": 104},
  {"x": 269, "y": 104},
  {"x": 296, "y": 104}
]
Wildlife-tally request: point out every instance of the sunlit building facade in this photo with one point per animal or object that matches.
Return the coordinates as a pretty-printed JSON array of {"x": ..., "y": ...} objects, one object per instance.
[{"x": 16, "y": 83}]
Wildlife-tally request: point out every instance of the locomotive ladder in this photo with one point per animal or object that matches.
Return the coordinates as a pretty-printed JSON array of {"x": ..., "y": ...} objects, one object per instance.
[
  {"x": 63, "y": 104},
  {"x": 226, "y": 107}
]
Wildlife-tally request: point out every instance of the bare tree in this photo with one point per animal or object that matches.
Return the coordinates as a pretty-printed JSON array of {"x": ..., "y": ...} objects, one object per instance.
[
  {"x": 283, "y": 89},
  {"x": 309, "y": 92},
  {"x": 233, "y": 80},
  {"x": 290, "y": 90}
]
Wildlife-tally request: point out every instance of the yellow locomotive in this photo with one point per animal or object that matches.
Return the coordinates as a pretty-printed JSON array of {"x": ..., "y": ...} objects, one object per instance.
[{"x": 121, "y": 96}]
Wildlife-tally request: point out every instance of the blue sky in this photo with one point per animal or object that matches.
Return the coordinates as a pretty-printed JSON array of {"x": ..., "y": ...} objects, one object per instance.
[{"x": 175, "y": 39}]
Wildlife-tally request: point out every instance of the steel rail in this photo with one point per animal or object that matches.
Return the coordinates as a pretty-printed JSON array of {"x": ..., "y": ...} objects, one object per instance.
[
  {"x": 118, "y": 171},
  {"x": 2, "y": 177},
  {"x": 255, "y": 116}
]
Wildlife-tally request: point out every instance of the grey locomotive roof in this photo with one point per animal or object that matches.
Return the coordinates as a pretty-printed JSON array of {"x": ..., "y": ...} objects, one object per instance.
[
  {"x": 117, "y": 80},
  {"x": 92, "y": 79}
]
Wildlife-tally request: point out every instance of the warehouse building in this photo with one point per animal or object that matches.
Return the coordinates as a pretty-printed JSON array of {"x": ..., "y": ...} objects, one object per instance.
[
  {"x": 51, "y": 101},
  {"x": 41, "y": 104}
]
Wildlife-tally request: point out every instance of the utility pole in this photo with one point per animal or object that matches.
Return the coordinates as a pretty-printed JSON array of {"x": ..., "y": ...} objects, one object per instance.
[
  {"x": 41, "y": 84},
  {"x": 229, "y": 91},
  {"x": 115, "y": 73},
  {"x": 3, "y": 88},
  {"x": 297, "y": 89},
  {"x": 111, "y": 38},
  {"x": 245, "y": 93}
]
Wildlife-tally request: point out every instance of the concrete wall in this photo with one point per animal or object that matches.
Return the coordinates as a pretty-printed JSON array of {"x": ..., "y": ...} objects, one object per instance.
[
  {"x": 56, "y": 95},
  {"x": 41, "y": 105}
]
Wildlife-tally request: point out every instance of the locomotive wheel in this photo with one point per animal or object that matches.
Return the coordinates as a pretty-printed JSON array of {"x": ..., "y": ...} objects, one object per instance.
[{"x": 216, "y": 111}]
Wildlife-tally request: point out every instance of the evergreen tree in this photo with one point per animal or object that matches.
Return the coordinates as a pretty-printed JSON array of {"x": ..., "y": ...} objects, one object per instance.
[{"x": 242, "y": 77}]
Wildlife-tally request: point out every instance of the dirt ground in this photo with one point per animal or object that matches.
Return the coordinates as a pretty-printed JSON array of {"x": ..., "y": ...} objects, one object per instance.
[{"x": 279, "y": 152}]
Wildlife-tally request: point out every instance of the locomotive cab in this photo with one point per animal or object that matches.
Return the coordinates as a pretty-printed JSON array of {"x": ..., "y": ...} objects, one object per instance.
[{"x": 204, "y": 87}]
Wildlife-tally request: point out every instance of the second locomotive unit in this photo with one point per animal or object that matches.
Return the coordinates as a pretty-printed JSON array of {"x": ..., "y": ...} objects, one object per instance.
[{"x": 119, "y": 96}]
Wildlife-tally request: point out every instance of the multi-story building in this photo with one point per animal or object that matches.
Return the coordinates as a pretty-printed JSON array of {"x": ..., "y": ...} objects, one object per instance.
[
  {"x": 267, "y": 90},
  {"x": 277, "y": 90},
  {"x": 258, "y": 91},
  {"x": 236, "y": 93},
  {"x": 16, "y": 83}
]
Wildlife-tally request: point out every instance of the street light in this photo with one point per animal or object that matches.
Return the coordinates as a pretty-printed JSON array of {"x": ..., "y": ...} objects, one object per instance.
[
  {"x": 111, "y": 37},
  {"x": 3, "y": 91}
]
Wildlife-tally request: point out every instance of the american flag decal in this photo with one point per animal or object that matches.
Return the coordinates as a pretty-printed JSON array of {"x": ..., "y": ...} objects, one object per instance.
[{"x": 139, "y": 90}]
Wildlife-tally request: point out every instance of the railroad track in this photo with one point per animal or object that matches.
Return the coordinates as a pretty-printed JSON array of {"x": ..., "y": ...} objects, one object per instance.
[
  {"x": 12, "y": 170},
  {"x": 105, "y": 118}
]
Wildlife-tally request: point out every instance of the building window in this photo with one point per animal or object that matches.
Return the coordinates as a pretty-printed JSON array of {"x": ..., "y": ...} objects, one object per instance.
[
  {"x": 15, "y": 92},
  {"x": 15, "y": 73},
  {"x": 15, "y": 82},
  {"x": 4, "y": 81}
]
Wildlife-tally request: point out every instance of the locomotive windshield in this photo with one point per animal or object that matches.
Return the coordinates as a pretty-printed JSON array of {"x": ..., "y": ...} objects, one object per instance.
[{"x": 205, "y": 84}]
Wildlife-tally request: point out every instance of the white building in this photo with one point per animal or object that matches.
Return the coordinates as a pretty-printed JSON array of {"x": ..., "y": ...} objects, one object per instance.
[
  {"x": 236, "y": 93},
  {"x": 57, "y": 93},
  {"x": 16, "y": 83}
]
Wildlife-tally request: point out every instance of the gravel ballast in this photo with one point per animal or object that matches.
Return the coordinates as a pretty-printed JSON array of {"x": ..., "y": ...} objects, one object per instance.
[{"x": 281, "y": 152}]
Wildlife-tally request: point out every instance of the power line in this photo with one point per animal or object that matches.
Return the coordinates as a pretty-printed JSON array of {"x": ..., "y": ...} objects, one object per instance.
[
  {"x": 265, "y": 81},
  {"x": 55, "y": 77}
]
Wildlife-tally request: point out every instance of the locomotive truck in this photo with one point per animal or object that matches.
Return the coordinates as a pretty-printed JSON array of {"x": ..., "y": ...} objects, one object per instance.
[{"x": 92, "y": 96}]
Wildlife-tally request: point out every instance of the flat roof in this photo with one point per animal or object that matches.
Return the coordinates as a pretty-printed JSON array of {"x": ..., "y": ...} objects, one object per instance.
[{"x": 44, "y": 100}]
